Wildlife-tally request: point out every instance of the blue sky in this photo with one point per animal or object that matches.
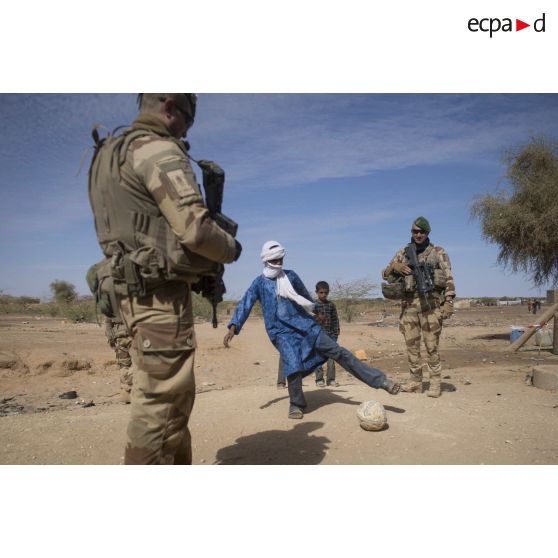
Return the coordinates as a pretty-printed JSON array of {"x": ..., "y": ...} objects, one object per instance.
[{"x": 336, "y": 178}]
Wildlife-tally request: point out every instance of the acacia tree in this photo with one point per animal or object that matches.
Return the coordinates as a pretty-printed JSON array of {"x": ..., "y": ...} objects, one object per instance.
[
  {"x": 63, "y": 292},
  {"x": 522, "y": 217},
  {"x": 347, "y": 295}
]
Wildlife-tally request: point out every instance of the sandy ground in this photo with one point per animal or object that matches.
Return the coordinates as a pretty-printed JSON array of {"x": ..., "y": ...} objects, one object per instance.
[{"x": 487, "y": 413}]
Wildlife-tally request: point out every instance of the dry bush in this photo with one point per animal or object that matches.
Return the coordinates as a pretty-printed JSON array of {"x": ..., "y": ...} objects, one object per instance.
[
  {"x": 17, "y": 304},
  {"x": 350, "y": 296},
  {"x": 81, "y": 310}
]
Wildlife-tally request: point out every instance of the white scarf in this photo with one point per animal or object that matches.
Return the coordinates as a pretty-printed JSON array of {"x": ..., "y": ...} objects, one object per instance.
[{"x": 272, "y": 250}]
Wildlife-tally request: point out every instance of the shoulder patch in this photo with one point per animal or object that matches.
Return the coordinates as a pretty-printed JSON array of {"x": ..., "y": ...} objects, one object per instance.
[
  {"x": 175, "y": 172},
  {"x": 179, "y": 179}
]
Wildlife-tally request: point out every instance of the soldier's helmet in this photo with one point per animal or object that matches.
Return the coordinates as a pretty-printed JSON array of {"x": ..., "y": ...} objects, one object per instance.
[{"x": 394, "y": 289}]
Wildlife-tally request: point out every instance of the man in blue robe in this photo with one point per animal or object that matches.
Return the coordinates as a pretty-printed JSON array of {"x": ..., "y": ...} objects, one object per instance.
[{"x": 293, "y": 329}]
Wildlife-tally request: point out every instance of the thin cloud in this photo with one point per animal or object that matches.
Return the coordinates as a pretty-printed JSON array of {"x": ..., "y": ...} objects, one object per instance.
[{"x": 292, "y": 140}]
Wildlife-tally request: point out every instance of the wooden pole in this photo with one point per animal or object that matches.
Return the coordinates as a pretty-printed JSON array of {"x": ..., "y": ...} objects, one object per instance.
[
  {"x": 551, "y": 297},
  {"x": 530, "y": 331}
]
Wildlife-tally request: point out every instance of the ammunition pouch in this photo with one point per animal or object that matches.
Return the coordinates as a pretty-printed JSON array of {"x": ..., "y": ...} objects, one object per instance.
[
  {"x": 111, "y": 276},
  {"x": 145, "y": 269},
  {"x": 131, "y": 277},
  {"x": 410, "y": 283},
  {"x": 100, "y": 282},
  {"x": 440, "y": 279}
]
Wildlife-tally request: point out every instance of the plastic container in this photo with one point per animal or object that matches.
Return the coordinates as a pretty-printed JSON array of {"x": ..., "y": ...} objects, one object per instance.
[
  {"x": 544, "y": 338},
  {"x": 516, "y": 333}
]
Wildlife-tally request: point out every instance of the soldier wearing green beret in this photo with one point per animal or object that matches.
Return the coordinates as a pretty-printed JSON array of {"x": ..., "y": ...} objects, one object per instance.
[{"x": 422, "y": 314}]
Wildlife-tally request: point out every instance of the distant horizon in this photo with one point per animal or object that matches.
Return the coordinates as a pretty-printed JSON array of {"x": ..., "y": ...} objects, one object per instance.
[{"x": 44, "y": 300}]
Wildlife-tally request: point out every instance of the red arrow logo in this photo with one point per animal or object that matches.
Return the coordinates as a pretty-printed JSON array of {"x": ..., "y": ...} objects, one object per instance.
[{"x": 519, "y": 25}]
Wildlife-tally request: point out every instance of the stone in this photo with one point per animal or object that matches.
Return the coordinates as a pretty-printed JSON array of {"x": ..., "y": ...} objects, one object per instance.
[
  {"x": 545, "y": 377},
  {"x": 361, "y": 354}
]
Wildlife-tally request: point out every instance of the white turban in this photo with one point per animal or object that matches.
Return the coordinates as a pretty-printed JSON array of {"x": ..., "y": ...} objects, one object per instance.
[{"x": 272, "y": 250}]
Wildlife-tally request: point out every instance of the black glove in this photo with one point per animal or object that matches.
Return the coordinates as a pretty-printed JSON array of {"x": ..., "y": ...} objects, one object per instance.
[
  {"x": 206, "y": 286},
  {"x": 209, "y": 287},
  {"x": 238, "y": 248}
]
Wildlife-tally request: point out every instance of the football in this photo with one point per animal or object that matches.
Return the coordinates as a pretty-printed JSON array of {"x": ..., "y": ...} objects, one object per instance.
[{"x": 372, "y": 415}]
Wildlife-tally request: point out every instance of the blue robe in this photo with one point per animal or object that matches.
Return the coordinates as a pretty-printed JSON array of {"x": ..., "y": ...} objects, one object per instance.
[{"x": 293, "y": 331}]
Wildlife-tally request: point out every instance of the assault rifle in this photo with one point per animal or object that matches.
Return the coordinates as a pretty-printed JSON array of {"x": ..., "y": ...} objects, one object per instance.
[
  {"x": 213, "y": 288},
  {"x": 422, "y": 272}
]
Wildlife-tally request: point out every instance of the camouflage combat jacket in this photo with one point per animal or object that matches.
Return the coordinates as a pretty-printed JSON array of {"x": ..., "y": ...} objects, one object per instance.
[
  {"x": 147, "y": 204},
  {"x": 438, "y": 258}
]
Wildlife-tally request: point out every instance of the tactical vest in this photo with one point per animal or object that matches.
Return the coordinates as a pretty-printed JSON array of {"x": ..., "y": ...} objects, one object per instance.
[
  {"x": 131, "y": 229},
  {"x": 439, "y": 279}
]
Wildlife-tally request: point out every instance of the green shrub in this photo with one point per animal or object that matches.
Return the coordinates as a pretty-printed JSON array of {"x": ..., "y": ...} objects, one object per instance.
[
  {"x": 350, "y": 297},
  {"x": 62, "y": 291},
  {"x": 80, "y": 311}
]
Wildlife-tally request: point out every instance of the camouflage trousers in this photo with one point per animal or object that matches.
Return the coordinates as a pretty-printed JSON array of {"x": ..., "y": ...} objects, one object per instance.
[
  {"x": 164, "y": 386},
  {"x": 415, "y": 324},
  {"x": 120, "y": 340}
]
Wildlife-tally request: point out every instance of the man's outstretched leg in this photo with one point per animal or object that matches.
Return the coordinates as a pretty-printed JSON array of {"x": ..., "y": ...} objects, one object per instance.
[{"x": 372, "y": 377}]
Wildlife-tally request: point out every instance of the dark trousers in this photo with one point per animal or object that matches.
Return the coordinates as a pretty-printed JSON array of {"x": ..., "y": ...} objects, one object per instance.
[
  {"x": 296, "y": 395},
  {"x": 280, "y": 376},
  {"x": 328, "y": 348},
  {"x": 330, "y": 365},
  {"x": 330, "y": 374}
]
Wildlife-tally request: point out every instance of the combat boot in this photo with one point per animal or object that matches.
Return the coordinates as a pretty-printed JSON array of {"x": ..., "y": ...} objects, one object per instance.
[
  {"x": 414, "y": 385},
  {"x": 435, "y": 389},
  {"x": 126, "y": 381}
]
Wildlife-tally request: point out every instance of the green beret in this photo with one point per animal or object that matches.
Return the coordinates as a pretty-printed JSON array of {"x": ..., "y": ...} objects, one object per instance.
[{"x": 422, "y": 223}]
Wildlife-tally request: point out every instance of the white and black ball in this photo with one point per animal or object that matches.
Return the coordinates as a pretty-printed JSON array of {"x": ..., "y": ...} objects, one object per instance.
[{"x": 372, "y": 415}]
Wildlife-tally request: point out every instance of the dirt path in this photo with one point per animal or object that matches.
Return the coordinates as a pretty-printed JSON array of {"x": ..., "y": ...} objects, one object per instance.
[{"x": 487, "y": 413}]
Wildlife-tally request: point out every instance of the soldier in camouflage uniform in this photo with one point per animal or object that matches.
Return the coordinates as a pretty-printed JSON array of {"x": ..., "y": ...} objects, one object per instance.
[
  {"x": 158, "y": 240},
  {"x": 424, "y": 314},
  {"x": 119, "y": 339}
]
